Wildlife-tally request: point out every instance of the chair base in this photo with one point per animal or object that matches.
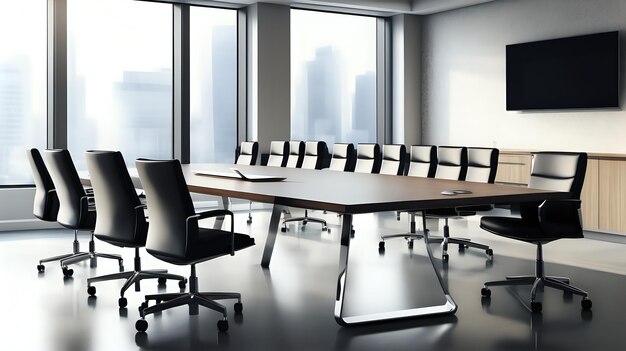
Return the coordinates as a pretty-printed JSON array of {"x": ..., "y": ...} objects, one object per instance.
[
  {"x": 83, "y": 256},
  {"x": 539, "y": 280},
  {"x": 193, "y": 299},
  {"x": 134, "y": 277},
  {"x": 304, "y": 221},
  {"x": 445, "y": 240},
  {"x": 412, "y": 235}
]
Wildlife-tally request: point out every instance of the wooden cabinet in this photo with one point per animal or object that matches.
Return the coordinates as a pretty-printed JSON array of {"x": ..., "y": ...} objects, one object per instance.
[
  {"x": 514, "y": 168},
  {"x": 604, "y": 191},
  {"x": 612, "y": 195}
]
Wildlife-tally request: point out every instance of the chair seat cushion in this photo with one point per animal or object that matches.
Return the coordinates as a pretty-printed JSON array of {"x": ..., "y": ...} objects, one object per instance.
[
  {"x": 209, "y": 244},
  {"x": 120, "y": 243},
  {"x": 515, "y": 228}
]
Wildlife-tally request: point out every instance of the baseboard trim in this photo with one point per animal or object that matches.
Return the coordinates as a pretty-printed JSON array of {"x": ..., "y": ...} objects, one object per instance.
[{"x": 26, "y": 224}]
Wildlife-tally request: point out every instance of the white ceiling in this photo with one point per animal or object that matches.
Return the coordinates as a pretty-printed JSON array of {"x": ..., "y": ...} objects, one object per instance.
[{"x": 389, "y": 7}]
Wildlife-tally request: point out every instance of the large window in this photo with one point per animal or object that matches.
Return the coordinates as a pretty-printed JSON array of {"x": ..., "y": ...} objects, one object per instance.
[
  {"x": 119, "y": 82},
  {"x": 333, "y": 77},
  {"x": 22, "y": 86},
  {"x": 213, "y": 80}
]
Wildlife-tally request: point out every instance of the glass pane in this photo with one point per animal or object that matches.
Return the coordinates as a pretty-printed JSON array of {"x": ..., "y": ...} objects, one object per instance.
[
  {"x": 333, "y": 77},
  {"x": 22, "y": 86},
  {"x": 213, "y": 70},
  {"x": 119, "y": 82}
]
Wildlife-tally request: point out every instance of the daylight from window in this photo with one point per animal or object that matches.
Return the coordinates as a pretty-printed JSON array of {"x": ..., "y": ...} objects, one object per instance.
[
  {"x": 333, "y": 77},
  {"x": 119, "y": 86},
  {"x": 213, "y": 84},
  {"x": 22, "y": 86}
]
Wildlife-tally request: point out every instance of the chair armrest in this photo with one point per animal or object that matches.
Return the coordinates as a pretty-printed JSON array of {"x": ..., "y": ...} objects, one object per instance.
[
  {"x": 561, "y": 216},
  {"x": 215, "y": 213}
]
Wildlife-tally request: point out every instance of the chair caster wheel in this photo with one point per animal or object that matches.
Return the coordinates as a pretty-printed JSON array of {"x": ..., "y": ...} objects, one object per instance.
[
  {"x": 222, "y": 325},
  {"x": 91, "y": 290},
  {"x": 68, "y": 272},
  {"x": 141, "y": 325},
  {"x": 586, "y": 304},
  {"x": 284, "y": 230},
  {"x": 485, "y": 292},
  {"x": 410, "y": 244},
  {"x": 162, "y": 281},
  {"x": 327, "y": 230},
  {"x": 461, "y": 248},
  {"x": 182, "y": 284},
  {"x": 489, "y": 252},
  {"x": 445, "y": 257},
  {"x": 41, "y": 268},
  {"x": 238, "y": 308},
  {"x": 249, "y": 221},
  {"x": 535, "y": 306},
  {"x": 304, "y": 223},
  {"x": 122, "y": 302},
  {"x": 143, "y": 306}
]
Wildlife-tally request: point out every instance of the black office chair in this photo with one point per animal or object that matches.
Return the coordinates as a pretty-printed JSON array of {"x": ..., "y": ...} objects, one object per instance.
[
  {"x": 314, "y": 154},
  {"x": 422, "y": 163},
  {"x": 393, "y": 159},
  {"x": 121, "y": 219},
  {"x": 46, "y": 203},
  {"x": 482, "y": 168},
  {"x": 452, "y": 164},
  {"x": 343, "y": 158},
  {"x": 368, "y": 158},
  {"x": 76, "y": 210},
  {"x": 247, "y": 154},
  {"x": 542, "y": 223},
  {"x": 279, "y": 152},
  {"x": 174, "y": 236},
  {"x": 296, "y": 154}
]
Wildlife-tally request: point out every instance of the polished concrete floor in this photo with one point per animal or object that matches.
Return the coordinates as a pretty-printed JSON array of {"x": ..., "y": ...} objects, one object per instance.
[{"x": 290, "y": 305}]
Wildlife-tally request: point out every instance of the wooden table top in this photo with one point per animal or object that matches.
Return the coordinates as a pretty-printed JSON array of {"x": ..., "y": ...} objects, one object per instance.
[{"x": 354, "y": 193}]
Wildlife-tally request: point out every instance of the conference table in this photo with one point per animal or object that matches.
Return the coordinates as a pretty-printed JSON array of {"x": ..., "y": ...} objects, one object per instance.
[{"x": 349, "y": 194}]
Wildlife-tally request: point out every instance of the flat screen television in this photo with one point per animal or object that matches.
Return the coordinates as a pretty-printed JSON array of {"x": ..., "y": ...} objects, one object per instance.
[{"x": 567, "y": 73}]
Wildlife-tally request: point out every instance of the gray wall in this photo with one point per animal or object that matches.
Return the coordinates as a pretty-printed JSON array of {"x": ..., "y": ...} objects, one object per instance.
[
  {"x": 268, "y": 74},
  {"x": 463, "y": 81},
  {"x": 406, "y": 77}
]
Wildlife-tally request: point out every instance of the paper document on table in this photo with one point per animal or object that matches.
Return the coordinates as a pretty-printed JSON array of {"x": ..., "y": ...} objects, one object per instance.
[{"x": 237, "y": 174}]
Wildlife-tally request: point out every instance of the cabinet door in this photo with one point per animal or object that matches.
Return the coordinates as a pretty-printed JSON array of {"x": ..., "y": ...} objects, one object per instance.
[
  {"x": 612, "y": 195},
  {"x": 514, "y": 169},
  {"x": 589, "y": 196}
]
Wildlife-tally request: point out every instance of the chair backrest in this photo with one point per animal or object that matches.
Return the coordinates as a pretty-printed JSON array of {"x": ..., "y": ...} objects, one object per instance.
[
  {"x": 46, "y": 204},
  {"x": 296, "y": 154},
  {"x": 394, "y": 159},
  {"x": 314, "y": 154},
  {"x": 560, "y": 171},
  {"x": 170, "y": 205},
  {"x": 423, "y": 162},
  {"x": 120, "y": 214},
  {"x": 451, "y": 162},
  {"x": 248, "y": 153},
  {"x": 344, "y": 157},
  {"x": 368, "y": 158},
  {"x": 279, "y": 152},
  {"x": 73, "y": 202},
  {"x": 482, "y": 164}
]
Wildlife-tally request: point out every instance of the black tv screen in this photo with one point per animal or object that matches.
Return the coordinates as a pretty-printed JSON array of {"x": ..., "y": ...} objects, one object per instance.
[{"x": 566, "y": 73}]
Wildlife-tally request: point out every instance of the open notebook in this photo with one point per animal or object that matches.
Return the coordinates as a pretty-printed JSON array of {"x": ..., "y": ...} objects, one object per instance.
[{"x": 237, "y": 174}]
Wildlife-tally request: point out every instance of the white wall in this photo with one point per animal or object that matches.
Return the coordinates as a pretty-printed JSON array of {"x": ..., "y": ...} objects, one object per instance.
[{"x": 463, "y": 85}]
